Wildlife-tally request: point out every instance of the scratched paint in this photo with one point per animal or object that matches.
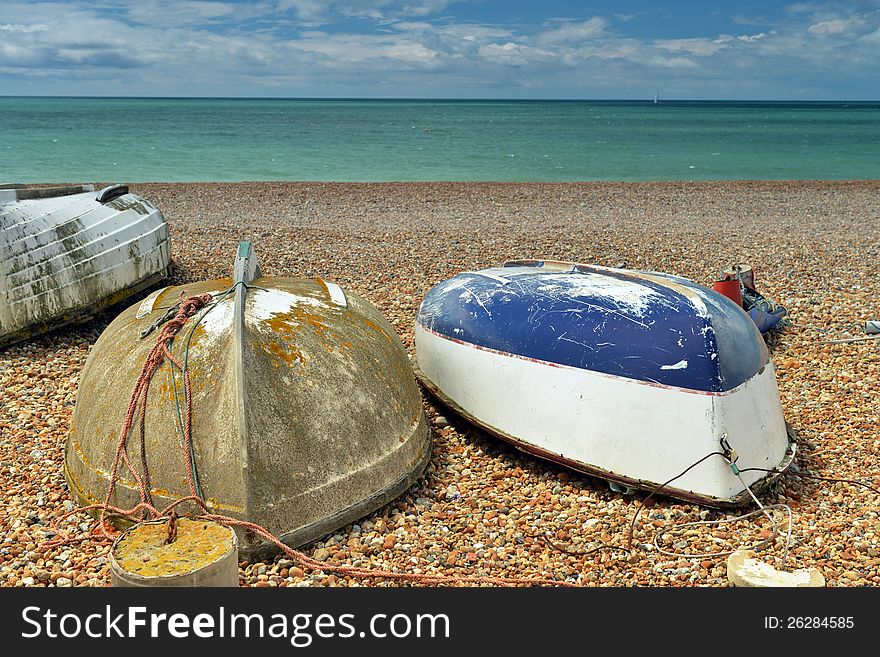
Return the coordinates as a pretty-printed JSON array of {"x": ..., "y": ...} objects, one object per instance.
[
  {"x": 625, "y": 430},
  {"x": 646, "y": 326},
  {"x": 630, "y": 297}
]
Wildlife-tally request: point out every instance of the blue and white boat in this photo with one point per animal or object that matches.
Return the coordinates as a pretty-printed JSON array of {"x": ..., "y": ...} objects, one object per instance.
[{"x": 629, "y": 375}]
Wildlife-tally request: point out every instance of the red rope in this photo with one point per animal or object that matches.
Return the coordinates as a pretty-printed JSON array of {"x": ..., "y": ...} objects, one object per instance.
[
  {"x": 145, "y": 509},
  {"x": 188, "y": 307}
]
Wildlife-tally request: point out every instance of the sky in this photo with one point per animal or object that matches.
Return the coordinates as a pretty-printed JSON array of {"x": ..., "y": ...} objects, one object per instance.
[{"x": 602, "y": 49}]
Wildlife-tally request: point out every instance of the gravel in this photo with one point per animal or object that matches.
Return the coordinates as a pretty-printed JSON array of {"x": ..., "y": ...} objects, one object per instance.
[{"x": 481, "y": 506}]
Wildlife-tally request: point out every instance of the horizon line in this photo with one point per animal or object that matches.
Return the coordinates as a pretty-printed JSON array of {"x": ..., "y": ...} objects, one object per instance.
[{"x": 648, "y": 100}]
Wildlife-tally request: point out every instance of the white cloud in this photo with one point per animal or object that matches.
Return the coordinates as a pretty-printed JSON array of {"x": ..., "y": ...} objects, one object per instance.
[
  {"x": 871, "y": 38},
  {"x": 355, "y": 51},
  {"x": 513, "y": 54},
  {"x": 701, "y": 47},
  {"x": 23, "y": 29},
  {"x": 308, "y": 10},
  {"x": 321, "y": 12},
  {"x": 837, "y": 26},
  {"x": 574, "y": 32},
  {"x": 670, "y": 62},
  {"x": 172, "y": 12},
  {"x": 752, "y": 38}
]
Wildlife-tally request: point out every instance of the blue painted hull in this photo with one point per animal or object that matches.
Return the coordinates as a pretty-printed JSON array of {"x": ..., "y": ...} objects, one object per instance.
[{"x": 650, "y": 327}]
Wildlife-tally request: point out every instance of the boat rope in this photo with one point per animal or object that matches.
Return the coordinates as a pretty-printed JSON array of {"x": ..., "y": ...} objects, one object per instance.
[
  {"x": 189, "y": 306},
  {"x": 730, "y": 458},
  {"x": 172, "y": 364},
  {"x": 657, "y": 489},
  {"x": 805, "y": 475},
  {"x": 145, "y": 509}
]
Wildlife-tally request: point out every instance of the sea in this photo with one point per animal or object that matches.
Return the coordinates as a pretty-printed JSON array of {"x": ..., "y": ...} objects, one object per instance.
[{"x": 51, "y": 139}]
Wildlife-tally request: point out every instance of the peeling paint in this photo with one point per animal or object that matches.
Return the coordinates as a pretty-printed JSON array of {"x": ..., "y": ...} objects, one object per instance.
[{"x": 63, "y": 257}]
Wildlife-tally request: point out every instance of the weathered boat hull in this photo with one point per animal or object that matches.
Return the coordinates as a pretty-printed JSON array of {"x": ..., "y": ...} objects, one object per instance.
[
  {"x": 65, "y": 256},
  {"x": 624, "y": 425},
  {"x": 306, "y": 414}
]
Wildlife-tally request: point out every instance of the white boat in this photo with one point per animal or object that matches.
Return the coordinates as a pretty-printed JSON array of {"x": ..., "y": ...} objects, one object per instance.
[
  {"x": 68, "y": 252},
  {"x": 632, "y": 376}
]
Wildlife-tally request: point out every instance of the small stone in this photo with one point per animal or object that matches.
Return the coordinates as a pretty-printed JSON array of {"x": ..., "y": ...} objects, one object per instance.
[
  {"x": 389, "y": 541},
  {"x": 441, "y": 422},
  {"x": 63, "y": 582},
  {"x": 321, "y": 554}
]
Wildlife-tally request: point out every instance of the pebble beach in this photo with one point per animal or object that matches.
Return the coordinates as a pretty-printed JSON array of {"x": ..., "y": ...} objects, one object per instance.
[{"x": 482, "y": 507}]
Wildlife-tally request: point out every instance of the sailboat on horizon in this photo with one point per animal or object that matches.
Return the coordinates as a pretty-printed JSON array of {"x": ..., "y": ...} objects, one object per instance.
[{"x": 656, "y": 97}]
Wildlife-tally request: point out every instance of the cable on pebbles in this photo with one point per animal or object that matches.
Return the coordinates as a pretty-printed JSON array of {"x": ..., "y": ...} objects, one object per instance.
[{"x": 482, "y": 507}]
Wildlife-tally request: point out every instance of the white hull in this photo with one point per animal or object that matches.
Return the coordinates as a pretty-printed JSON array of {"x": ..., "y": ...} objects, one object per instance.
[
  {"x": 65, "y": 257},
  {"x": 637, "y": 433}
]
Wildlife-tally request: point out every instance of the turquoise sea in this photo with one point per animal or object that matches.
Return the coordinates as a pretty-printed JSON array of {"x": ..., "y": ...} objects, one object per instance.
[{"x": 164, "y": 139}]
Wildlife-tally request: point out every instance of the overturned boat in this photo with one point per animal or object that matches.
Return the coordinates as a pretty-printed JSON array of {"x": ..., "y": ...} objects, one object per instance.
[
  {"x": 305, "y": 412},
  {"x": 632, "y": 376},
  {"x": 68, "y": 252}
]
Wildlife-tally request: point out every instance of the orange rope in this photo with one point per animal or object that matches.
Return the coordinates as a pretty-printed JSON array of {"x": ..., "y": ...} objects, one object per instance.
[{"x": 105, "y": 532}]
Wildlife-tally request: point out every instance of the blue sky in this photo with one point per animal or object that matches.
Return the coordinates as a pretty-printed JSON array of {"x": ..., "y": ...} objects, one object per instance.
[{"x": 442, "y": 48}]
